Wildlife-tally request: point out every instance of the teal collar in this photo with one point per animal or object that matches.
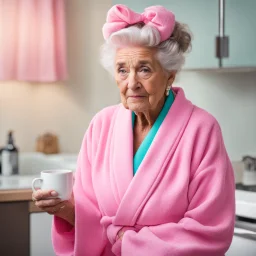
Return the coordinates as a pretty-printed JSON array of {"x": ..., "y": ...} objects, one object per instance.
[{"x": 145, "y": 145}]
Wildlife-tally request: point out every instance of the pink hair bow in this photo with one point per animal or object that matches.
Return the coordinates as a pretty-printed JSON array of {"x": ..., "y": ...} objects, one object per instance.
[{"x": 120, "y": 16}]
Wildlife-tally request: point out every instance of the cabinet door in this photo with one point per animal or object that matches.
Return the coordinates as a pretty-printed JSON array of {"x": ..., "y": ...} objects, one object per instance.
[
  {"x": 240, "y": 27},
  {"x": 14, "y": 223},
  {"x": 202, "y": 19},
  {"x": 40, "y": 234}
]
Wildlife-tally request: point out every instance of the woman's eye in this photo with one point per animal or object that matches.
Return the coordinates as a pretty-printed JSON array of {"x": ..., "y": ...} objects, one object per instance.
[
  {"x": 145, "y": 70},
  {"x": 122, "y": 71}
]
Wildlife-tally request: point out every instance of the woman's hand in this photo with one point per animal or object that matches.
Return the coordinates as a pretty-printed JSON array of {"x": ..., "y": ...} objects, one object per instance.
[
  {"x": 116, "y": 248},
  {"x": 54, "y": 206},
  {"x": 121, "y": 232}
]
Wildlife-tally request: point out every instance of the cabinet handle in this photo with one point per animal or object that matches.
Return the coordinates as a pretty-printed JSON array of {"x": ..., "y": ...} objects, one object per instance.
[
  {"x": 222, "y": 41},
  {"x": 245, "y": 233}
]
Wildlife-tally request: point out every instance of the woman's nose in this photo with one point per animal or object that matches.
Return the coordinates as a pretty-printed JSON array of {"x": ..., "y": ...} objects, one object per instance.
[{"x": 133, "y": 82}]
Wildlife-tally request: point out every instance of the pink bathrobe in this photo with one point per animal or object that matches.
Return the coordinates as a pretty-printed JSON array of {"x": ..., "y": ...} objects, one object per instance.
[{"x": 179, "y": 203}]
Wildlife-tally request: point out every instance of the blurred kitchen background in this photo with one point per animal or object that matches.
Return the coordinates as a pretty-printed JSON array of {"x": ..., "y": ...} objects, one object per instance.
[{"x": 64, "y": 105}]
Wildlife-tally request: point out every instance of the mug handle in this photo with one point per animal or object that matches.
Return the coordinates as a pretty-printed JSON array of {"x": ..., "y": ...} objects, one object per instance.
[{"x": 34, "y": 182}]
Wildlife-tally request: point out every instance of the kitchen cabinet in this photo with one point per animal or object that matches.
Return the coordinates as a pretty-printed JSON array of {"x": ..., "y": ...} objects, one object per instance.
[
  {"x": 40, "y": 234},
  {"x": 14, "y": 221},
  {"x": 25, "y": 229},
  {"x": 240, "y": 27},
  {"x": 203, "y": 19}
]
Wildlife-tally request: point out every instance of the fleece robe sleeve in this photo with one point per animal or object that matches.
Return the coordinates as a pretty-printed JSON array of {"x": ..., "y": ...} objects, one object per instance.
[
  {"x": 87, "y": 236},
  {"x": 208, "y": 224}
]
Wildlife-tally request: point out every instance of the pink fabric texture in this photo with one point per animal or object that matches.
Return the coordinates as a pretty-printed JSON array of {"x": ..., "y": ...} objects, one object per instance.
[
  {"x": 33, "y": 40},
  {"x": 120, "y": 16},
  {"x": 180, "y": 202}
]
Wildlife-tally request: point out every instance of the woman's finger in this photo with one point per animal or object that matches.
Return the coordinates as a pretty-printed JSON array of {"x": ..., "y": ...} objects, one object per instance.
[
  {"x": 43, "y": 194},
  {"x": 55, "y": 209},
  {"x": 48, "y": 202}
]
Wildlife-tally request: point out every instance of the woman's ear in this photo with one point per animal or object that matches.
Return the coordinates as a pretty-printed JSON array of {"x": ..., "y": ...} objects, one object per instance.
[{"x": 172, "y": 76}]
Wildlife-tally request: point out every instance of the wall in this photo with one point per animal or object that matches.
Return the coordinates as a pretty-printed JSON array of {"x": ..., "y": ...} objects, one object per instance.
[
  {"x": 231, "y": 98},
  {"x": 66, "y": 108}
]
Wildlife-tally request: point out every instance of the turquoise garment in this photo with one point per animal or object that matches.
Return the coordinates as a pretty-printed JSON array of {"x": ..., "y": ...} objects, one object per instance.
[{"x": 144, "y": 147}]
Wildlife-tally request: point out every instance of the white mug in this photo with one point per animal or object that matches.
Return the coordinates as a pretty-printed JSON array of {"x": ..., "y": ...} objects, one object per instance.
[{"x": 60, "y": 181}]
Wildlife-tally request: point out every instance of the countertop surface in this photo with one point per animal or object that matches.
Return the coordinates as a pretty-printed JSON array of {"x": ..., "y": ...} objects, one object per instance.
[
  {"x": 15, "y": 195},
  {"x": 16, "y": 188}
]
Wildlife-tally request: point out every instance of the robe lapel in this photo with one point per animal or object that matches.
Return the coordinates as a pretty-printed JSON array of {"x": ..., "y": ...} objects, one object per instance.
[
  {"x": 135, "y": 191},
  {"x": 121, "y": 162}
]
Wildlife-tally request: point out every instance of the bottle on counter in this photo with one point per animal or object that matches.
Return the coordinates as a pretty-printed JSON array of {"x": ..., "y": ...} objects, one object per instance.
[{"x": 10, "y": 155}]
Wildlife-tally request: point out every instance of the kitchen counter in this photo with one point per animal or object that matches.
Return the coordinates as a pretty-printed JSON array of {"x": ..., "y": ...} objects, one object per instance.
[
  {"x": 15, "y": 195},
  {"x": 16, "y": 188},
  {"x": 29, "y": 228}
]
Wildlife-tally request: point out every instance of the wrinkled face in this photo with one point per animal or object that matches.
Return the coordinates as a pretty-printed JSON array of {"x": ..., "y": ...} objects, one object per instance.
[{"x": 140, "y": 78}]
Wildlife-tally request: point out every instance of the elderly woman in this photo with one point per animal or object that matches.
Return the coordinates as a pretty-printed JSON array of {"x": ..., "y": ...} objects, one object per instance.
[{"x": 153, "y": 176}]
